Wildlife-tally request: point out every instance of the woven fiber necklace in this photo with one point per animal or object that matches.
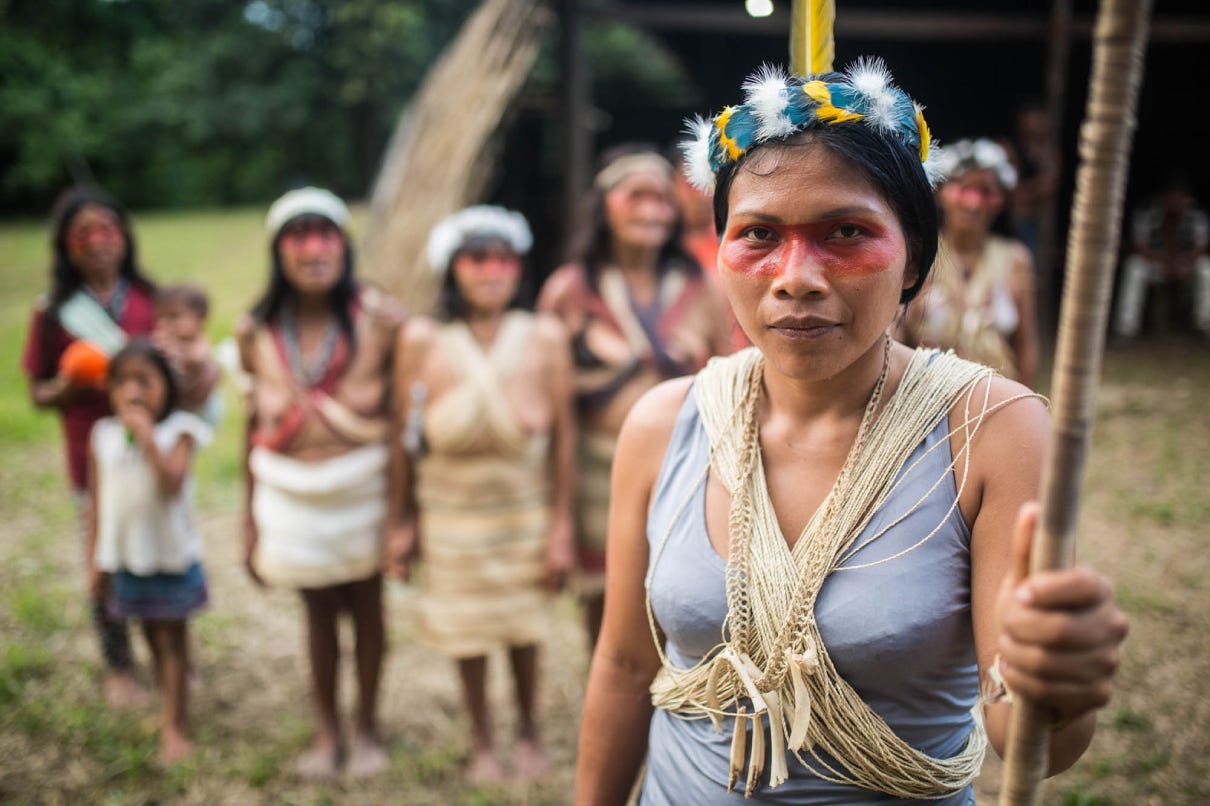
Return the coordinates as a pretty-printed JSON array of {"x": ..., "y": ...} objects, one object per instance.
[{"x": 772, "y": 672}]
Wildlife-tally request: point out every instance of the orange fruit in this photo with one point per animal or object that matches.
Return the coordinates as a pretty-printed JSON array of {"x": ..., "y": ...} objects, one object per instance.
[{"x": 84, "y": 364}]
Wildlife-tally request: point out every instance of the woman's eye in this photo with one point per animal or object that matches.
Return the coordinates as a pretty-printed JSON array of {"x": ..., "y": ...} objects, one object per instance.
[
  {"x": 758, "y": 234},
  {"x": 847, "y": 231}
]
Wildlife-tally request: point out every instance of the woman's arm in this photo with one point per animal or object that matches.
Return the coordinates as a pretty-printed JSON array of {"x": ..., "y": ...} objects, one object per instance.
[
  {"x": 399, "y": 549},
  {"x": 53, "y": 393},
  {"x": 560, "y": 296},
  {"x": 1025, "y": 338},
  {"x": 560, "y": 549},
  {"x": 1056, "y": 634},
  {"x": 617, "y": 704},
  {"x": 245, "y": 333}
]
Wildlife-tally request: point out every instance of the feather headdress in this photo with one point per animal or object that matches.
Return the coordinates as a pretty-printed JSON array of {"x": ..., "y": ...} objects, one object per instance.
[
  {"x": 480, "y": 221},
  {"x": 777, "y": 106}
]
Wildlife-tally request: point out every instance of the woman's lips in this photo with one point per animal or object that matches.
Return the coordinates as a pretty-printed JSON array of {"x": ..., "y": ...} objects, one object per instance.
[{"x": 804, "y": 327}]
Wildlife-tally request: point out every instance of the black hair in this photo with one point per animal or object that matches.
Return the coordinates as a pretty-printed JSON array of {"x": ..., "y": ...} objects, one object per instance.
[
  {"x": 144, "y": 349},
  {"x": 592, "y": 243},
  {"x": 891, "y": 166},
  {"x": 65, "y": 277},
  {"x": 340, "y": 297},
  {"x": 451, "y": 305},
  {"x": 187, "y": 294}
]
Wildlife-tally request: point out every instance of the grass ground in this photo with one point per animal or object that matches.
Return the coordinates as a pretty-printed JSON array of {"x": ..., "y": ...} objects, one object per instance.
[{"x": 1146, "y": 508}]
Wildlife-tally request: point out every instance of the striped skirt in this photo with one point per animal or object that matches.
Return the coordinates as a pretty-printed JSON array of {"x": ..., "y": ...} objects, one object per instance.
[{"x": 483, "y": 529}]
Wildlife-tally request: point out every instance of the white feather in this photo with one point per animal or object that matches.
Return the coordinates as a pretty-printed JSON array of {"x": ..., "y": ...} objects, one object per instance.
[
  {"x": 871, "y": 78},
  {"x": 765, "y": 95},
  {"x": 697, "y": 153},
  {"x": 934, "y": 168},
  {"x": 453, "y": 231}
]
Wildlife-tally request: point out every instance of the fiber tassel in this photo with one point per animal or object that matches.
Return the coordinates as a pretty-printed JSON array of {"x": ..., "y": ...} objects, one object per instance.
[
  {"x": 739, "y": 742},
  {"x": 778, "y": 771},
  {"x": 748, "y": 672},
  {"x": 756, "y": 759},
  {"x": 802, "y": 708},
  {"x": 716, "y": 671}
]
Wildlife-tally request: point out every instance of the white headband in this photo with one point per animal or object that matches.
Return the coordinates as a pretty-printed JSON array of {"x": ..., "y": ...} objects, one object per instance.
[
  {"x": 624, "y": 166},
  {"x": 306, "y": 201},
  {"x": 481, "y": 221},
  {"x": 982, "y": 153}
]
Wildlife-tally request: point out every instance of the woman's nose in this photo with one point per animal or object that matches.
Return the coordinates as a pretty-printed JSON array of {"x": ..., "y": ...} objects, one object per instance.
[{"x": 801, "y": 274}]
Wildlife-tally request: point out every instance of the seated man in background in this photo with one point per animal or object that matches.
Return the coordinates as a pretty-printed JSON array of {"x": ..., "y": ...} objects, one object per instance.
[{"x": 1168, "y": 271}]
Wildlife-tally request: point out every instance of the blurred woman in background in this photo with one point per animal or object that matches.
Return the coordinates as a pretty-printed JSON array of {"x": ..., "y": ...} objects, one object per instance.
[
  {"x": 489, "y": 474},
  {"x": 98, "y": 297},
  {"x": 979, "y": 300},
  {"x": 639, "y": 312}
]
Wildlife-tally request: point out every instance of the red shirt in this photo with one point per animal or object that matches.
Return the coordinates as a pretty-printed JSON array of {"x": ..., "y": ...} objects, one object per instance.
[{"x": 41, "y": 362}]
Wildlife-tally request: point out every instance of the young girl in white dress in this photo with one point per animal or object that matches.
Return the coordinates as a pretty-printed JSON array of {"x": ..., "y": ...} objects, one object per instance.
[{"x": 144, "y": 548}]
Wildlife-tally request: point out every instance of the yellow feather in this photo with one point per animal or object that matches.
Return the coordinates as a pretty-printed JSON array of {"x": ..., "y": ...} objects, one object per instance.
[
  {"x": 925, "y": 137},
  {"x": 826, "y": 111},
  {"x": 819, "y": 91},
  {"x": 812, "y": 46},
  {"x": 733, "y": 150},
  {"x": 821, "y": 47}
]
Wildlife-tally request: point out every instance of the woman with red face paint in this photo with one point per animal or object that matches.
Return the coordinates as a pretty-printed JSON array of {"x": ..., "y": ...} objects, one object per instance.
[
  {"x": 640, "y": 312},
  {"x": 486, "y": 392},
  {"x": 979, "y": 299},
  {"x": 319, "y": 348},
  {"x": 98, "y": 297},
  {"x": 819, "y": 544}
]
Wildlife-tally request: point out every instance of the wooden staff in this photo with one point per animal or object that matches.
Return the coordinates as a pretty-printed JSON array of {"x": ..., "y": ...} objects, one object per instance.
[{"x": 1092, "y": 247}]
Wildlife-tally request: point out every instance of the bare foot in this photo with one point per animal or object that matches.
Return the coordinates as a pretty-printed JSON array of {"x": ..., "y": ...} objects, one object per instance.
[
  {"x": 485, "y": 769},
  {"x": 367, "y": 758},
  {"x": 320, "y": 762},
  {"x": 122, "y": 690},
  {"x": 174, "y": 746},
  {"x": 530, "y": 761}
]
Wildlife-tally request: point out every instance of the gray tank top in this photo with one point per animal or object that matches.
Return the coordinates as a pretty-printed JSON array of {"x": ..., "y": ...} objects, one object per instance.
[{"x": 899, "y": 632}]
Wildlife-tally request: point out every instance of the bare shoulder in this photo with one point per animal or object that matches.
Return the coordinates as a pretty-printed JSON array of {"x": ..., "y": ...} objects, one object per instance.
[
  {"x": 1022, "y": 263},
  {"x": 561, "y": 286},
  {"x": 648, "y": 427},
  {"x": 384, "y": 310},
  {"x": 245, "y": 328},
  {"x": 549, "y": 330},
  {"x": 1013, "y": 431},
  {"x": 418, "y": 333},
  {"x": 1020, "y": 253}
]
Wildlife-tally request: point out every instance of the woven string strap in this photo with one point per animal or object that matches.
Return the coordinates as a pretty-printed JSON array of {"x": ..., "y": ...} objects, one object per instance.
[{"x": 772, "y": 653}]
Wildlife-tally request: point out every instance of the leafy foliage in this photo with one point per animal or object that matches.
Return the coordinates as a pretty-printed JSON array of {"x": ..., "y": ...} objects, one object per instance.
[
  {"x": 204, "y": 100},
  {"x": 214, "y": 102}
]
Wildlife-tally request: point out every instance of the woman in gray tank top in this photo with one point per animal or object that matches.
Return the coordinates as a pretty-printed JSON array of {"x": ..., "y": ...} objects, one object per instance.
[{"x": 818, "y": 545}]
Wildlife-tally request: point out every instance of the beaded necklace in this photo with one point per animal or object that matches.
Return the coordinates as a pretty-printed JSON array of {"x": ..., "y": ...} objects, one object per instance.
[{"x": 313, "y": 371}]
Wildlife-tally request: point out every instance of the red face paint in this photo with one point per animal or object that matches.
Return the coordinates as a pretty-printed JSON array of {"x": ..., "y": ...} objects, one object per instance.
[{"x": 838, "y": 247}]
